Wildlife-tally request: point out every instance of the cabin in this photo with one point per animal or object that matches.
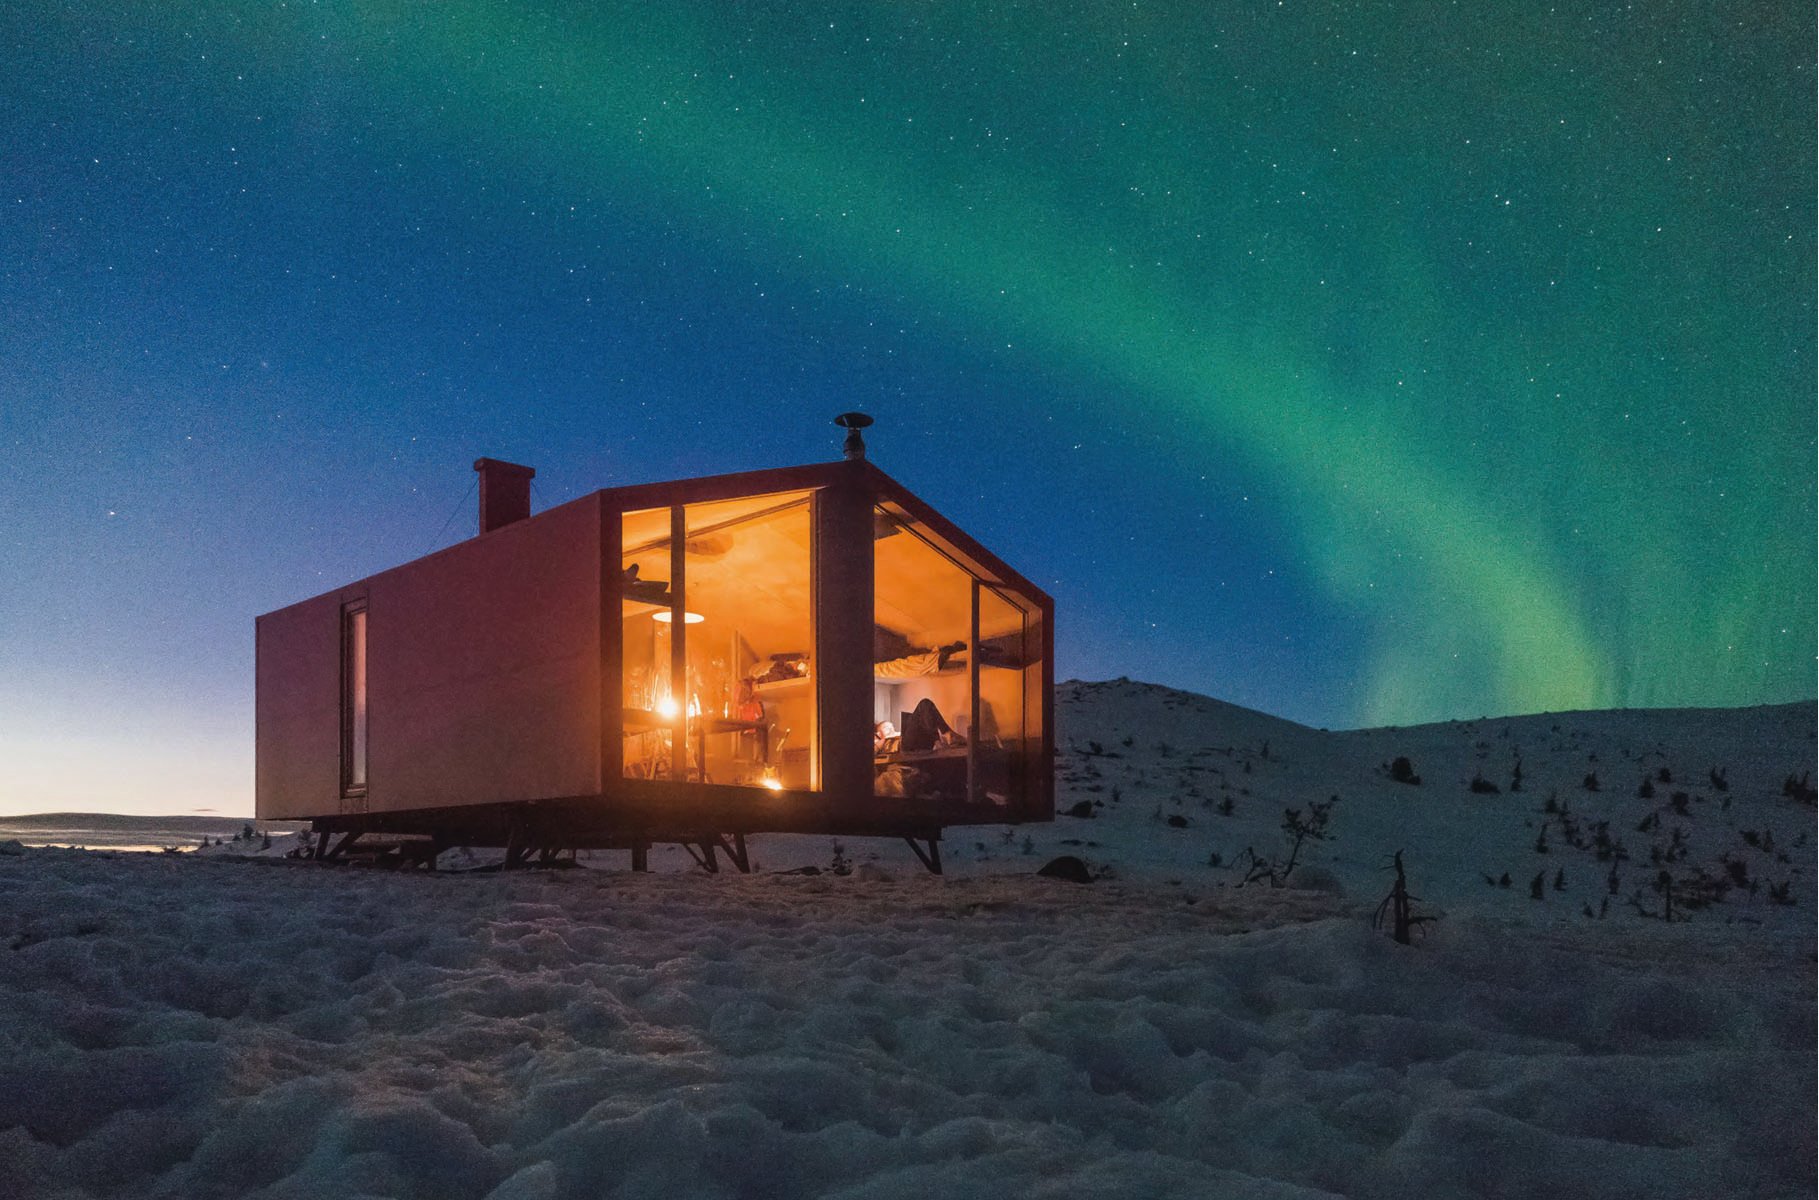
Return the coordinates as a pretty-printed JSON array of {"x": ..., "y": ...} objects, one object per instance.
[{"x": 802, "y": 650}]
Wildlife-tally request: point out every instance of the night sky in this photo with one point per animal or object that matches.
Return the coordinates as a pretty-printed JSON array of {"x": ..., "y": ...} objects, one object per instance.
[{"x": 1363, "y": 364}]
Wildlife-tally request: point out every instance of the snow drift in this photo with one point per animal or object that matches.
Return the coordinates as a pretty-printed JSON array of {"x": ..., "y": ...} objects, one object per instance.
[{"x": 186, "y": 1025}]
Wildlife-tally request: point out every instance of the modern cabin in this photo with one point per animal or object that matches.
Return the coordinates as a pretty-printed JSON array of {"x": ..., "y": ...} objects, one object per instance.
[{"x": 802, "y": 650}]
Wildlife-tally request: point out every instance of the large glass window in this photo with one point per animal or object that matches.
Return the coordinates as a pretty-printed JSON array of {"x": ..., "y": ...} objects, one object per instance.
[
  {"x": 353, "y": 699},
  {"x": 1010, "y": 694},
  {"x": 652, "y": 711},
  {"x": 719, "y": 672},
  {"x": 955, "y": 713}
]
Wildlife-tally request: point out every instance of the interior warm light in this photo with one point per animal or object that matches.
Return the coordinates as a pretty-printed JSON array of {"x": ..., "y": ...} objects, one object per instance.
[
  {"x": 667, "y": 708},
  {"x": 775, "y": 785},
  {"x": 688, "y": 618}
]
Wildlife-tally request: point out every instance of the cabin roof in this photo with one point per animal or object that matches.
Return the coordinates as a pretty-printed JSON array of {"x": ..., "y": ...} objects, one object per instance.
[{"x": 745, "y": 483}]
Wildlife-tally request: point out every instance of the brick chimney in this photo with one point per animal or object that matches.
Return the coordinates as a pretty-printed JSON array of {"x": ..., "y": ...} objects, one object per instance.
[{"x": 505, "y": 492}]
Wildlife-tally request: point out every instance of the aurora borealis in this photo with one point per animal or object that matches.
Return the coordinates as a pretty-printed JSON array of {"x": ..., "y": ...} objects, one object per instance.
[{"x": 1363, "y": 364}]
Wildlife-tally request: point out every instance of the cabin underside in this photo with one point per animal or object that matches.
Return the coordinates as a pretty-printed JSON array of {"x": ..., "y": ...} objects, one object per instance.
[{"x": 541, "y": 831}]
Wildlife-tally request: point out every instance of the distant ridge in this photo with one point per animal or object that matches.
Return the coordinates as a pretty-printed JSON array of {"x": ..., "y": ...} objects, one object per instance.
[
  {"x": 123, "y": 821},
  {"x": 127, "y": 831},
  {"x": 1123, "y": 686},
  {"x": 1135, "y": 690}
]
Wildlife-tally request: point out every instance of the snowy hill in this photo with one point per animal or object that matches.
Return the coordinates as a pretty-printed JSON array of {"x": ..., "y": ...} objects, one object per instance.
[
  {"x": 217, "y": 1025},
  {"x": 1181, "y": 786},
  {"x": 1698, "y": 793}
]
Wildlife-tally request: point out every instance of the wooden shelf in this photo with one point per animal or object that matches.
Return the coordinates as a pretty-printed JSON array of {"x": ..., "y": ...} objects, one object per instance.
[
  {"x": 637, "y": 720},
  {"x": 953, "y": 669},
  {"x": 916, "y": 756},
  {"x": 783, "y": 687},
  {"x": 640, "y": 719}
]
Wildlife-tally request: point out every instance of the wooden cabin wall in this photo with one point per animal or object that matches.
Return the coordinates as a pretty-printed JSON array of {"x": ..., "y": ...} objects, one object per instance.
[
  {"x": 297, "y": 709},
  {"x": 843, "y": 616},
  {"x": 484, "y": 677},
  {"x": 485, "y": 668}
]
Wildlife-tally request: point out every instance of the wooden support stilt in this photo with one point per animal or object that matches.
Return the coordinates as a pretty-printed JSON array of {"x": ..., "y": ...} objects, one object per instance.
[
  {"x": 735, "y": 850},
  {"x": 514, "y": 845},
  {"x": 931, "y": 857},
  {"x": 344, "y": 845},
  {"x": 703, "y": 854},
  {"x": 641, "y": 856},
  {"x": 321, "y": 845}
]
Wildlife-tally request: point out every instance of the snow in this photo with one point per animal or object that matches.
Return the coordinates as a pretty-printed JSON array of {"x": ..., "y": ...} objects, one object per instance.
[
  {"x": 1190, "y": 753},
  {"x": 216, "y": 1025}
]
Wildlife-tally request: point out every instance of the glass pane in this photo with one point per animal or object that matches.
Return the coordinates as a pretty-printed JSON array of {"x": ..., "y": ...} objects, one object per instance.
[
  {"x": 922, "y": 676},
  {"x": 1003, "y": 743},
  {"x": 651, "y": 709},
  {"x": 718, "y": 679},
  {"x": 1036, "y": 685},
  {"x": 751, "y": 643}
]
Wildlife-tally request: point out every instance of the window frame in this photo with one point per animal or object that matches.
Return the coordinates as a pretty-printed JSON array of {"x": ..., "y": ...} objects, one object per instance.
[
  {"x": 356, "y": 636},
  {"x": 1010, "y": 592},
  {"x": 614, "y": 552}
]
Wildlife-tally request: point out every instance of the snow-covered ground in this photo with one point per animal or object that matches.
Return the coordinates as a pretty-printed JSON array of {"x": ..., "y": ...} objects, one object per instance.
[{"x": 202, "y": 1025}]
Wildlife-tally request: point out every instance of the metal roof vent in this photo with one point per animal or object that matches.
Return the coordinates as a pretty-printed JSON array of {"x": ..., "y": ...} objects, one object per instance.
[{"x": 853, "y": 422}]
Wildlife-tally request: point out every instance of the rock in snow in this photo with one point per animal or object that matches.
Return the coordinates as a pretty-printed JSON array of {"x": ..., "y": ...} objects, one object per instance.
[
  {"x": 197, "y": 1025},
  {"x": 1066, "y": 867}
]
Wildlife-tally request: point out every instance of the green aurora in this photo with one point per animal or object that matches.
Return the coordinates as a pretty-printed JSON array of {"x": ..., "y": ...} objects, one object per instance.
[
  {"x": 1508, "y": 313},
  {"x": 1567, "y": 470}
]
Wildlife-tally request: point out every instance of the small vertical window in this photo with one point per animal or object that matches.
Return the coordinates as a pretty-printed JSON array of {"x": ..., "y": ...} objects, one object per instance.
[{"x": 353, "y": 698}]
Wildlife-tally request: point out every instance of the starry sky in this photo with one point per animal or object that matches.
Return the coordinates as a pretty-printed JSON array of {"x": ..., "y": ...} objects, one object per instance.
[{"x": 1361, "y": 363}]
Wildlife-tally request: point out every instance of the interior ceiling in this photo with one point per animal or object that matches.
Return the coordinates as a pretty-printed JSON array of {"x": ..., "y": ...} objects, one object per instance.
[
  {"x": 645, "y": 533},
  {"x": 638, "y": 530},
  {"x": 928, "y": 599},
  {"x": 748, "y": 568},
  {"x": 919, "y": 593},
  {"x": 756, "y": 578},
  {"x": 747, "y": 563}
]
